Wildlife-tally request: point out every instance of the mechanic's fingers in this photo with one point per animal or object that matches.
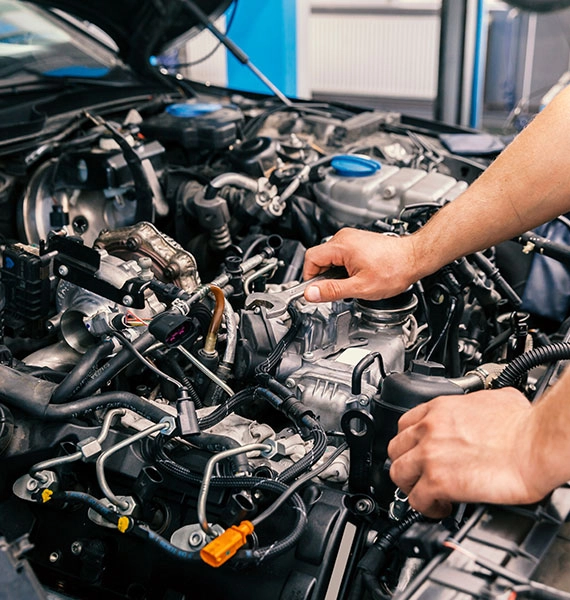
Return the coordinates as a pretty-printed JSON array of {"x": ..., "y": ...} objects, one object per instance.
[
  {"x": 424, "y": 502},
  {"x": 403, "y": 442},
  {"x": 408, "y": 474},
  {"x": 430, "y": 507},
  {"x": 413, "y": 416},
  {"x": 320, "y": 258},
  {"x": 328, "y": 290},
  {"x": 406, "y": 471}
]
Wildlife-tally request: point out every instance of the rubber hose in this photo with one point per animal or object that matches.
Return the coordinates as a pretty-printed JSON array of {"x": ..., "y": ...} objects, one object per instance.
[
  {"x": 523, "y": 363},
  {"x": 78, "y": 376},
  {"x": 115, "y": 365}
]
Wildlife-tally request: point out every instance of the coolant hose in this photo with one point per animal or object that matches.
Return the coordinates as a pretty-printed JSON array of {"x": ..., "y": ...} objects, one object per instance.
[
  {"x": 63, "y": 412},
  {"x": 526, "y": 361},
  {"x": 115, "y": 365},
  {"x": 78, "y": 376},
  {"x": 32, "y": 395}
]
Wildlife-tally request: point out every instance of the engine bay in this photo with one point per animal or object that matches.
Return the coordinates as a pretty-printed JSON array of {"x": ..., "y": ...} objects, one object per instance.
[{"x": 176, "y": 421}]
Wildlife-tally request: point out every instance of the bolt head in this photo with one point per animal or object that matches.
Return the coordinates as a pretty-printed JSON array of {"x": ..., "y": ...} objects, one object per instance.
[
  {"x": 63, "y": 270},
  {"x": 127, "y": 300},
  {"x": 76, "y": 548}
]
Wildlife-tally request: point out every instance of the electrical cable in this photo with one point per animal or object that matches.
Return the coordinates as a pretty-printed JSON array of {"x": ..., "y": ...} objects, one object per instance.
[
  {"x": 449, "y": 317},
  {"x": 245, "y": 483},
  {"x": 207, "y": 477},
  {"x": 127, "y": 344},
  {"x": 206, "y": 371},
  {"x": 301, "y": 481},
  {"x": 536, "y": 589},
  {"x": 227, "y": 408}
]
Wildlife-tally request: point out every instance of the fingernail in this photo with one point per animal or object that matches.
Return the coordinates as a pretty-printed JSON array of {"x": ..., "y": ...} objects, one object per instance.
[{"x": 313, "y": 293}]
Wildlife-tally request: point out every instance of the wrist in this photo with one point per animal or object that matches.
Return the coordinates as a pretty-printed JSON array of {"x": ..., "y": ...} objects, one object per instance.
[{"x": 547, "y": 464}]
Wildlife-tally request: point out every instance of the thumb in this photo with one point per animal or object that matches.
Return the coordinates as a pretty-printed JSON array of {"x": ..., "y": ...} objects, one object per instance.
[{"x": 328, "y": 290}]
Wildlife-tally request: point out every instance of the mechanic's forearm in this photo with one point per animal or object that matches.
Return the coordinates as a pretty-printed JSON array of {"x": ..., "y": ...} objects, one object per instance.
[
  {"x": 527, "y": 185},
  {"x": 551, "y": 440}
]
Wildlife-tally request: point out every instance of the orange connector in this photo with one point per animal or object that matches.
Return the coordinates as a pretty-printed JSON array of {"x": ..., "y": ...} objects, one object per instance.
[{"x": 222, "y": 548}]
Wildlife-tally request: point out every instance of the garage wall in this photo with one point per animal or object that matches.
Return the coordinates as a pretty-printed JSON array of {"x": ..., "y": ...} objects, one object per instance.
[
  {"x": 311, "y": 47},
  {"x": 370, "y": 49}
]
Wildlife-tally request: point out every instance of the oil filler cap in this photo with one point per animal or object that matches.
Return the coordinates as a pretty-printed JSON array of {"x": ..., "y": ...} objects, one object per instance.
[{"x": 352, "y": 165}]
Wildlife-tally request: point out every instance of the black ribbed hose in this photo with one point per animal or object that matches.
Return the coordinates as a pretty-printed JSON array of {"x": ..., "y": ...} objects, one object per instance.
[{"x": 523, "y": 363}]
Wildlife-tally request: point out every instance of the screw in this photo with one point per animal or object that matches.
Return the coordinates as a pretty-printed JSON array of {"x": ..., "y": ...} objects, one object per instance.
[
  {"x": 364, "y": 505},
  {"x": 32, "y": 485},
  {"x": 128, "y": 300},
  {"x": 54, "y": 556},
  {"x": 290, "y": 382},
  {"x": 195, "y": 540},
  {"x": 416, "y": 550},
  {"x": 363, "y": 400},
  {"x": 76, "y": 548},
  {"x": 308, "y": 355},
  {"x": 63, "y": 270}
]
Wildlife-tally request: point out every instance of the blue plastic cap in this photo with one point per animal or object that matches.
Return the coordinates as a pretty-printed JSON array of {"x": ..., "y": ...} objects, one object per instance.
[
  {"x": 192, "y": 110},
  {"x": 351, "y": 165}
]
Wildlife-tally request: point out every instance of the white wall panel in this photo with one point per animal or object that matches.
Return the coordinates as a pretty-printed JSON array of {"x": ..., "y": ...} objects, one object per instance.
[
  {"x": 374, "y": 54},
  {"x": 214, "y": 69}
]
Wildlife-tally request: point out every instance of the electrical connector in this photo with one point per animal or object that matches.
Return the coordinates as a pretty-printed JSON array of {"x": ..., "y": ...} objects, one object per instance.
[
  {"x": 423, "y": 540},
  {"x": 187, "y": 419},
  {"x": 222, "y": 548}
]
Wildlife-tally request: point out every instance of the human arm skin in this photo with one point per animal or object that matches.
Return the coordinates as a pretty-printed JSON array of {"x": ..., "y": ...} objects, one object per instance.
[
  {"x": 490, "y": 446},
  {"x": 527, "y": 185}
]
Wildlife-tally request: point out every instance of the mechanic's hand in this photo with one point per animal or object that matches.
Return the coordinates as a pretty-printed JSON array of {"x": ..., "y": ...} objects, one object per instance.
[
  {"x": 474, "y": 448},
  {"x": 379, "y": 266}
]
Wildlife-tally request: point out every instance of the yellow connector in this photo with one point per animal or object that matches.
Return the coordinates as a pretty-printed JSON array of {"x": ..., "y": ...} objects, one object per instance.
[{"x": 222, "y": 548}]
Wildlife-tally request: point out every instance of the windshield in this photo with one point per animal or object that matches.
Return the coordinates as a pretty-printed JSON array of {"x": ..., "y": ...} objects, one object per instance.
[{"x": 35, "y": 44}]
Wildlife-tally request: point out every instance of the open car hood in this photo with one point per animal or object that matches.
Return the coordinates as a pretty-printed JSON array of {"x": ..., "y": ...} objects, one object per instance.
[{"x": 139, "y": 28}]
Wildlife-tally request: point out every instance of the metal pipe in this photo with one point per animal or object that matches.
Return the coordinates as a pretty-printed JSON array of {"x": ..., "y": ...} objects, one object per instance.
[
  {"x": 100, "y": 464},
  {"x": 208, "y": 471},
  {"x": 206, "y": 371},
  {"x": 61, "y": 460}
]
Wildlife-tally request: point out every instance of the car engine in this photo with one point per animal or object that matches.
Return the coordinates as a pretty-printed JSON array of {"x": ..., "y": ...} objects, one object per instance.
[{"x": 176, "y": 421}]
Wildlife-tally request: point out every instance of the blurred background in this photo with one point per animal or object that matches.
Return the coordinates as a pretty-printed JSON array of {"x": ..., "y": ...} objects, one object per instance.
[{"x": 479, "y": 63}]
